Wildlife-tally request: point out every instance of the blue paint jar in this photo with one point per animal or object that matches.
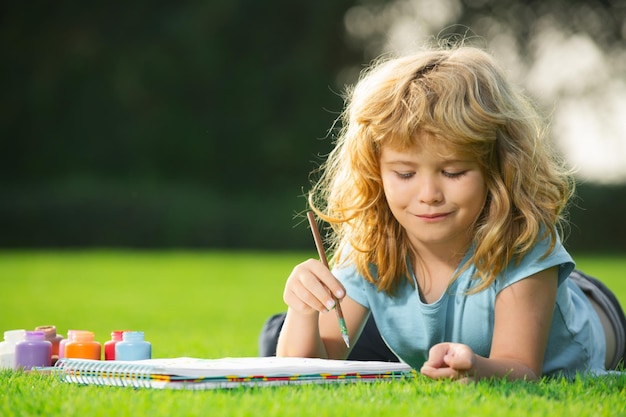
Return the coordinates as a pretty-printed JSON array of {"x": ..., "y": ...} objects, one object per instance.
[{"x": 133, "y": 347}]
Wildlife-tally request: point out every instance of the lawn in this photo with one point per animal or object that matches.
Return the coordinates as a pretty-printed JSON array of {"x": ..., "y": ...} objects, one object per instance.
[{"x": 212, "y": 304}]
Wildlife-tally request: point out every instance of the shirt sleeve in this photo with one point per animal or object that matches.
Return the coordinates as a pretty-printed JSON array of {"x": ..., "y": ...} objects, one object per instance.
[
  {"x": 536, "y": 260},
  {"x": 354, "y": 283}
]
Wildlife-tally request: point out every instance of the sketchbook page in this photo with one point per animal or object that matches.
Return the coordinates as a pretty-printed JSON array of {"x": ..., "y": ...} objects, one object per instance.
[{"x": 267, "y": 366}]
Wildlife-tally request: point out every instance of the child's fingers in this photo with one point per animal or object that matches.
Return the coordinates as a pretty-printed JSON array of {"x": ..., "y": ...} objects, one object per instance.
[
  {"x": 329, "y": 281},
  {"x": 310, "y": 292},
  {"x": 460, "y": 359},
  {"x": 438, "y": 373},
  {"x": 306, "y": 289},
  {"x": 436, "y": 355},
  {"x": 302, "y": 301},
  {"x": 448, "y": 360},
  {"x": 445, "y": 373}
]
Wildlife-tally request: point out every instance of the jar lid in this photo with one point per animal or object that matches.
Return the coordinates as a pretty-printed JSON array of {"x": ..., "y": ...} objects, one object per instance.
[{"x": 50, "y": 331}]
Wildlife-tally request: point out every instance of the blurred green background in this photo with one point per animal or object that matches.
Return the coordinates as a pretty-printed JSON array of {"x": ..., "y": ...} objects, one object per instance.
[{"x": 195, "y": 124}]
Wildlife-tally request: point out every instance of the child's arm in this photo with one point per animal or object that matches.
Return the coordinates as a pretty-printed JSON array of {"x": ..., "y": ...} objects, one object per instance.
[
  {"x": 523, "y": 314},
  {"x": 311, "y": 328}
]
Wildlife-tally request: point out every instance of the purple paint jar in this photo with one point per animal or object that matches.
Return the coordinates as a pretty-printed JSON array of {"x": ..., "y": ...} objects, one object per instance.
[{"x": 33, "y": 351}]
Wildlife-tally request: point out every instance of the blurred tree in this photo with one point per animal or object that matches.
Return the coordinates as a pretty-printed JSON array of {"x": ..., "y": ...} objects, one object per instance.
[
  {"x": 569, "y": 54},
  {"x": 229, "y": 93},
  {"x": 373, "y": 24},
  {"x": 196, "y": 123}
]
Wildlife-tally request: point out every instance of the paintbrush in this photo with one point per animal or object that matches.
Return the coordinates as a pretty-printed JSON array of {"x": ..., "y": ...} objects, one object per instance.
[{"x": 322, "y": 254}]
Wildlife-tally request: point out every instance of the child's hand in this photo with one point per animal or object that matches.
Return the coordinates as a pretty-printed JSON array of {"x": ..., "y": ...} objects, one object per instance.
[
  {"x": 449, "y": 360},
  {"x": 308, "y": 288}
]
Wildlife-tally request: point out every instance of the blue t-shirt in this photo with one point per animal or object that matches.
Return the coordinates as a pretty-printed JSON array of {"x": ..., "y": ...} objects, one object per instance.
[{"x": 411, "y": 327}]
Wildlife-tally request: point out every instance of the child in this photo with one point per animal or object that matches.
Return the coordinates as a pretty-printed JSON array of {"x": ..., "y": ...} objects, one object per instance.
[{"x": 445, "y": 201}]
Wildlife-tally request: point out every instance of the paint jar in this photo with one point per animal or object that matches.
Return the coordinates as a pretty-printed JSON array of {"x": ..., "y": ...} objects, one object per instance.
[
  {"x": 70, "y": 336},
  {"x": 7, "y": 347},
  {"x": 52, "y": 337},
  {"x": 133, "y": 347},
  {"x": 109, "y": 347},
  {"x": 33, "y": 351},
  {"x": 83, "y": 346}
]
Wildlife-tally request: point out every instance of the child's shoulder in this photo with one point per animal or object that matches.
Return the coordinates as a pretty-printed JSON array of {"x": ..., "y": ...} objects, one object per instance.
[{"x": 540, "y": 257}]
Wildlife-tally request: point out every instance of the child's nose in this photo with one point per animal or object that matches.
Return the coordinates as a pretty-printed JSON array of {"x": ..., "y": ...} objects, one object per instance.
[{"x": 430, "y": 191}]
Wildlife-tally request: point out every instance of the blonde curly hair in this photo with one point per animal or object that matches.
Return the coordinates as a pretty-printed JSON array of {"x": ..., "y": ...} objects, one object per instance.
[{"x": 459, "y": 96}]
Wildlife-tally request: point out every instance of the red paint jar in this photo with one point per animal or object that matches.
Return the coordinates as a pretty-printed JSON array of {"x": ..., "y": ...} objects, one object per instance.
[{"x": 109, "y": 347}]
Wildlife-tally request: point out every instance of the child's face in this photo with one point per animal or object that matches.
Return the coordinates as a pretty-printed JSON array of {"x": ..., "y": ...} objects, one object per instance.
[{"x": 435, "y": 198}]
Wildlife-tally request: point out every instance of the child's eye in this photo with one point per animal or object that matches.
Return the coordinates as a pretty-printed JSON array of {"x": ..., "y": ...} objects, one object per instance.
[
  {"x": 405, "y": 175},
  {"x": 453, "y": 174}
]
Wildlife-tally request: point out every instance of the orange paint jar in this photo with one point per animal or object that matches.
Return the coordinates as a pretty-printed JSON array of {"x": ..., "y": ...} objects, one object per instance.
[{"x": 83, "y": 346}]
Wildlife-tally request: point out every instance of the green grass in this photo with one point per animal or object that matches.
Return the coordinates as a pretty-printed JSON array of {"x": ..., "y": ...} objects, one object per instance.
[{"x": 212, "y": 304}]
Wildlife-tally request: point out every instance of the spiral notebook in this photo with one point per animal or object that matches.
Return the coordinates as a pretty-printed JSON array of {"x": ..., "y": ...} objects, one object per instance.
[{"x": 194, "y": 373}]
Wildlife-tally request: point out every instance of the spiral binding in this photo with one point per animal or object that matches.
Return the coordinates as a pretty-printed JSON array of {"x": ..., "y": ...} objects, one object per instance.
[{"x": 93, "y": 372}]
